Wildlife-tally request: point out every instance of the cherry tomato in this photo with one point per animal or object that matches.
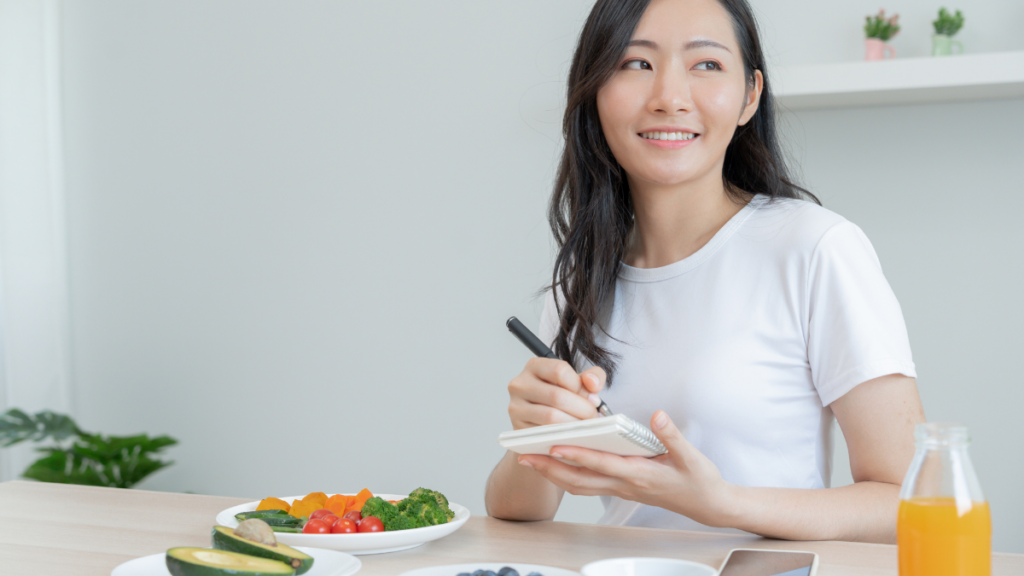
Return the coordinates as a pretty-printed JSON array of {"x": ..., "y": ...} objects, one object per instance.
[
  {"x": 371, "y": 524},
  {"x": 344, "y": 526},
  {"x": 320, "y": 514},
  {"x": 330, "y": 519},
  {"x": 354, "y": 515},
  {"x": 316, "y": 527}
]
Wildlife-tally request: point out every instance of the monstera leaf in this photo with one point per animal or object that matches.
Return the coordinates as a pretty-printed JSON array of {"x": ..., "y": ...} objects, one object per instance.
[
  {"x": 90, "y": 459},
  {"x": 16, "y": 426}
]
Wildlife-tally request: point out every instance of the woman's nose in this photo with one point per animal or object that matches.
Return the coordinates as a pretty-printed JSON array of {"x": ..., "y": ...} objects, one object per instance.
[{"x": 671, "y": 93}]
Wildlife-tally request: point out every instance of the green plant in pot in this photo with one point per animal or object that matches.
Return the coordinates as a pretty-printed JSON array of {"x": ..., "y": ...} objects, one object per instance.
[
  {"x": 78, "y": 457},
  {"x": 877, "y": 31},
  {"x": 945, "y": 28}
]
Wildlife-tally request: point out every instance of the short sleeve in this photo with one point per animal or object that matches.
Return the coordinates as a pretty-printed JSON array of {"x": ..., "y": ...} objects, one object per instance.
[{"x": 855, "y": 328}]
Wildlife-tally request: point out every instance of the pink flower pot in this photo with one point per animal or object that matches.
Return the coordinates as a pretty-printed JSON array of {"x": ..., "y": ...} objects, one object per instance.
[{"x": 875, "y": 49}]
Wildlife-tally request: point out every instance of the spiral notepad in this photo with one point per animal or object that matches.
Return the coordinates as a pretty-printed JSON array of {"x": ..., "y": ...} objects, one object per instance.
[{"x": 618, "y": 434}]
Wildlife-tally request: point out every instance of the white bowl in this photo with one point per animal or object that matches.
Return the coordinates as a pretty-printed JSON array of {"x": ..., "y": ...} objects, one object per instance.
[
  {"x": 454, "y": 569},
  {"x": 647, "y": 567},
  {"x": 360, "y": 543}
]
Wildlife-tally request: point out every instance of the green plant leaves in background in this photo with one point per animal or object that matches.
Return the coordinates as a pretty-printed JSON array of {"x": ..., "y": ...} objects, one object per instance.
[
  {"x": 17, "y": 426},
  {"x": 116, "y": 462},
  {"x": 91, "y": 459}
]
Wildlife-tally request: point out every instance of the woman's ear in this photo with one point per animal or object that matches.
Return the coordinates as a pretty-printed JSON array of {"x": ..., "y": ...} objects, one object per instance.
[{"x": 753, "y": 98}]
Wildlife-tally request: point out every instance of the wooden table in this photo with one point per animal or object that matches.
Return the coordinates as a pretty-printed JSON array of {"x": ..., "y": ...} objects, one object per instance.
[{"x": 75, "y": 530}]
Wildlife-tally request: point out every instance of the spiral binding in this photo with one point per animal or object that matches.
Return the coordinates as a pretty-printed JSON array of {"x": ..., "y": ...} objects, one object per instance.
[{"x": 642, "y": 436}]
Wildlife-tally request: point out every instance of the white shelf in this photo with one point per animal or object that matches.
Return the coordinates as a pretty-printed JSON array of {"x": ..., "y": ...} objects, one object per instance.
[{"x": 901, "y": 81}]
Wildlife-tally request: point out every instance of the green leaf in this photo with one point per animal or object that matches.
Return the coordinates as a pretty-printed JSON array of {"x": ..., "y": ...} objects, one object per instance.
[
  {"x": 117, "y": 462},
  {"x": 17, "y": 426}
]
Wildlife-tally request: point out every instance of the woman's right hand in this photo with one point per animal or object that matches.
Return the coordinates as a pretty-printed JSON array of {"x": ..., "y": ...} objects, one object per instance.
[{"x": 549, "y": 391}]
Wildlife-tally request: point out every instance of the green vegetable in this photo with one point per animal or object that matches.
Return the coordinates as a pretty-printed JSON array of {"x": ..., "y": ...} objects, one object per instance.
[
  {"x": 442, "y": 502},
  {"x": 422, "y": 508},
  {"x": 259, "y": 514},
  {"x": 288, "y": 529},
  {"x": 206, "y": 562},
  {"x": 224, "y": 538},
  {"x": 389, "y": 515},
  {"x": 280, "y": 519},
  {"x": 425, "y": 511}
]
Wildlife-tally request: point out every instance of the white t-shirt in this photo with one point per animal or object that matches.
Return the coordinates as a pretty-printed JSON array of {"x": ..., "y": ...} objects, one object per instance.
[{"x": 746, "y": 342}]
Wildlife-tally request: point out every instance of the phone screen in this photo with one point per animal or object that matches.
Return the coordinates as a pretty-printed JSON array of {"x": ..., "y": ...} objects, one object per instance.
[{"x": 768, "y": 563}]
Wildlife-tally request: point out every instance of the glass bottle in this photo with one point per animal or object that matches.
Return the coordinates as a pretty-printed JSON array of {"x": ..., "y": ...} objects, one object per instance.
[{"x": 943, "y": 526}]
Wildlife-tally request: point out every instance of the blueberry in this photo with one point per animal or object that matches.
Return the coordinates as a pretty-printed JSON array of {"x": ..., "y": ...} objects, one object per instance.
[
  {"x": 478, "y": 573},
  {"x": 508, "y": 571},
  {"x": 490, "y": 573}
]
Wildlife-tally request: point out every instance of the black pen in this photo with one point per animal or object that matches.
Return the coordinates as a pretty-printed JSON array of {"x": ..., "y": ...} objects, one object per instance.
[{"x": 540, "y": 349}]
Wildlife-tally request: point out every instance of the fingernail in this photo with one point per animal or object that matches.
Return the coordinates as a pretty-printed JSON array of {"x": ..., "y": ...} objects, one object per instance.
[
  {"x": 660, "y": 420},
  {"x": 595, "y": 400},
  {"x": 526, "y": 463},
  {"x": 556, "y": 455}
]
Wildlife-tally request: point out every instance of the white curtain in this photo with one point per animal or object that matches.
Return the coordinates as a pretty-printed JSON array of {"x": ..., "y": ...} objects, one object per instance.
[{"x": 35, "y": 371}]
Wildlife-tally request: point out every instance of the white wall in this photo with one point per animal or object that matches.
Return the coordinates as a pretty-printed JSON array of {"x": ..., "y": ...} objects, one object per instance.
[{"x": 297, "y": 229}]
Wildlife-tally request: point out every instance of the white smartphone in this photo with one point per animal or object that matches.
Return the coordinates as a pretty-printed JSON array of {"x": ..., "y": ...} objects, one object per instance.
[{"x": 746, "y": 562}]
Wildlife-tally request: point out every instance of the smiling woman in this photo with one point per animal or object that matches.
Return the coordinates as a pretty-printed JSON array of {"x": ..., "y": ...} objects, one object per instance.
[{"x": 715, "y": 292}]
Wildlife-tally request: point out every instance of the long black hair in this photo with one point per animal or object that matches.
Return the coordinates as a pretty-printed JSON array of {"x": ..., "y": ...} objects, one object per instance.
[{"x": 591, "y": 210}]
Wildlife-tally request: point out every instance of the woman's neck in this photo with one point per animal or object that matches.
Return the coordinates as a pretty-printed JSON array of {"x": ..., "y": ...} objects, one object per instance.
[{"x": 673, "y": 222}]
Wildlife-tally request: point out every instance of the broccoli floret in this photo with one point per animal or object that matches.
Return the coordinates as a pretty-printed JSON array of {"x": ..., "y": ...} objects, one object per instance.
[
  {"x": 437, "y": 497},
  {"x": 424, "y": 510},
  {"x": 389, "y": 515}
]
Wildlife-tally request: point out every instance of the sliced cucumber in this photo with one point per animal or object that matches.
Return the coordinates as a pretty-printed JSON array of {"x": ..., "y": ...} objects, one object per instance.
[
  {"x": 273, "y": 520},
  {"x": 260, "y": 513},
  {"x": 206, "y": 562},
  {"x": 224, "y": 538},
  {"x": 288, "y": 529}
]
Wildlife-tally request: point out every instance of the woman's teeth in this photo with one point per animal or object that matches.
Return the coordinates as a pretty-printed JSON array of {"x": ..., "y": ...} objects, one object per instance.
[{"x": 668, "y": 135}]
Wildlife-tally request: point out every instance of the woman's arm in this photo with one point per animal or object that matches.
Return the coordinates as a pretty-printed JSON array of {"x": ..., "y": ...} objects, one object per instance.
[
  {"x": 877, "y": 418},
  {"x": 517, "y": 492}
]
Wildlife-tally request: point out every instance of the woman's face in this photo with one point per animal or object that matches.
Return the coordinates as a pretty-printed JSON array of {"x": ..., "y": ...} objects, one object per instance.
[{"x": 670, "y": 109}]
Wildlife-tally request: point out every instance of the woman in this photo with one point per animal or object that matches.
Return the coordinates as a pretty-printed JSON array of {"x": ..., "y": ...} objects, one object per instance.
[{"x": 692, "y": 275}]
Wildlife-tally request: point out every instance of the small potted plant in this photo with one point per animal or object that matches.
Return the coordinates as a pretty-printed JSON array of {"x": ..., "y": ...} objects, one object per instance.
[
  {"x": 878, "y": 30},
  {"x": 945, "y": 27}
]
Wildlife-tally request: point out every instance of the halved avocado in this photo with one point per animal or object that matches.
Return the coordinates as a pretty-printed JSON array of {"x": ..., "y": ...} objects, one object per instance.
[
  {"x": 224, "y": 538},
  {"x": 205, "y": 562}
]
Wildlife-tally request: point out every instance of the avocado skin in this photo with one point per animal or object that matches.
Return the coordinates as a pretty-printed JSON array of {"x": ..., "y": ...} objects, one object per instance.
[
  {"x": 178, "y": 567},
  {"x": 224, "y": 539}
]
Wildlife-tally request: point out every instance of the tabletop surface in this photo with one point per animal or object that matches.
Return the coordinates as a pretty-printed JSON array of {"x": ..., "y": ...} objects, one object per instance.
[{"x": 51, "y": 529}]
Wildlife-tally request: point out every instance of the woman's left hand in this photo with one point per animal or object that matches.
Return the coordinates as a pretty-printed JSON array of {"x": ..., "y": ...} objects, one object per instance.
[{"x": 683, "y": 481}]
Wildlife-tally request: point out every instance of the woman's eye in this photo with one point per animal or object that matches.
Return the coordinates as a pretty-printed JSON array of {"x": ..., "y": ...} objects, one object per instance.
[
  {"x": 716, "y": 65},
  {"x": 636, "y": 65}
]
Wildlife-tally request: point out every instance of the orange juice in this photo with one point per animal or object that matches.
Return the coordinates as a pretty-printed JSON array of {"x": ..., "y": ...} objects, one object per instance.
[{"x": 935, "y": 541}]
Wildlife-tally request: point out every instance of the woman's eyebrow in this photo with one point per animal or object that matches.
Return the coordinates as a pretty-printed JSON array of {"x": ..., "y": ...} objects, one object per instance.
[
  {"x": 691, "y": 45},
  {"x": 704, "y": 43}
]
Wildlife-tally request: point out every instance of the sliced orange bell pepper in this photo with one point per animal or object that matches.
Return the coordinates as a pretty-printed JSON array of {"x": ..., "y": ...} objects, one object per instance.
[
  {"x": 337, "y": 504},
  {"x": 319, "y": 497},
  {"x": 361, "y": 499},
  {"x": 273, "y": 504},
  {"x": 302, "y": 508}
]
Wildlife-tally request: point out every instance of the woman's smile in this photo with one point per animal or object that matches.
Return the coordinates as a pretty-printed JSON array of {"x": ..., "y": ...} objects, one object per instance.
[{"x": 668, "y": 137}]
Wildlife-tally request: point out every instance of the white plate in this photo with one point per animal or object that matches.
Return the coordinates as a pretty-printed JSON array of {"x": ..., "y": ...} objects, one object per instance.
[
  {"x": 455, "y": 569},
  {"x": 647, "y": 567},
  {"x": 362, "y": 543},
  {"x": 325, "y": 563}
]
